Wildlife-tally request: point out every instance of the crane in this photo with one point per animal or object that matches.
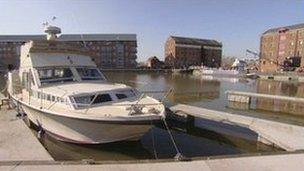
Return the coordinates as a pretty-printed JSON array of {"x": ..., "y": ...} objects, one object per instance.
[
  {"x": 256, "y": 55},
  {"x": 252, "y": 52}
]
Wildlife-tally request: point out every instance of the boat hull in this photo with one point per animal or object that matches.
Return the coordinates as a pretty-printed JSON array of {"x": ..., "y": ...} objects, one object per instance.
[{"x": 82, "y": 131}]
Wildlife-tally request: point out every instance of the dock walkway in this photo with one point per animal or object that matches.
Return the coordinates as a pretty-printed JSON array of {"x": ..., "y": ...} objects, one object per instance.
[
  {"x": 279, "y": 162},
  {"x": 287, "y": 136},
  {"x": 17, "y": 142}
]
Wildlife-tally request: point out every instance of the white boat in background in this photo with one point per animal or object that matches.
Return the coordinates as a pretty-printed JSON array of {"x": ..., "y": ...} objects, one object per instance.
[
  {"x": 226, "y": 79},
  {"x": 62, "y": 92},
  {"x": 220, "y": 72},
  {"x": 238, "y": 69}
]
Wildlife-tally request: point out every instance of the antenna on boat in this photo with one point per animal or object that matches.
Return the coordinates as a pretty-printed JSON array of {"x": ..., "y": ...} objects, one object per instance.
[
  {"x": 54, "y": 18},
  {"x": 51, "y": 31}
]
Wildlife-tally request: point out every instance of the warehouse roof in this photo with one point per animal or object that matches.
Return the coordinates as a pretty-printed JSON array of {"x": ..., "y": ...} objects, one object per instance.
[
  {"x": 291, "y": 27},
  {"x": 71, "y": 37},
  {"x": 196, "y": 41}
]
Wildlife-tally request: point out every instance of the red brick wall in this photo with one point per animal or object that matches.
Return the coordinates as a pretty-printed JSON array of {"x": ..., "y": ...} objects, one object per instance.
[
  {"x": 276, "y": 47},
  {"x": 181, "y": 56}
]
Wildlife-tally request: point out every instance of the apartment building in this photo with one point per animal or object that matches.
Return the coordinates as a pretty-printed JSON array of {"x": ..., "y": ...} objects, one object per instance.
[{"x": 109, "y": 50}]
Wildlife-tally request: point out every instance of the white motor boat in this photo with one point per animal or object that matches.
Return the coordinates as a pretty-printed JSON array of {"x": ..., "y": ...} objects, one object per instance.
[
  {"x": 220, "y": 72},
  {"x": 62, "y": 91}
]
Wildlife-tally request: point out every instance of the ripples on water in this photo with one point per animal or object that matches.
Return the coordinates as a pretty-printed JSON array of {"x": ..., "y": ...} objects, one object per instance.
[{"x": 192, "y": 141}]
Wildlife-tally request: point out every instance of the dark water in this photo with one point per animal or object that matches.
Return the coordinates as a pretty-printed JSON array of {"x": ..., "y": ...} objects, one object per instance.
[{"x": 192, "y": 141}]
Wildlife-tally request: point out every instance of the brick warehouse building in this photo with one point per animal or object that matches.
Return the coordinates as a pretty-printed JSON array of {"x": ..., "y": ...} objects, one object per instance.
[
  {"x": 109, "y": 50},
  {"x": 282, "y": 47},
  {"x": 183, "y": 52}
]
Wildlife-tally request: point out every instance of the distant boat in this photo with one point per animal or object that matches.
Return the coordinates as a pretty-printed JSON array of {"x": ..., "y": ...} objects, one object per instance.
[
  {"x": 224, "y": 73},
  {"x": 252, "y": 76},
  {"x": 183, "y": 70},
  {"x": 62, "y": 91},
  {"x": 218, "y": 72}
]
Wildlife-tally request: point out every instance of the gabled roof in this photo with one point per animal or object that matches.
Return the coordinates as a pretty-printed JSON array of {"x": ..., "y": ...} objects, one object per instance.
[
  {"x": 291, "y": 27},
  {"x": 195, "y": 41},
  {"x": 71, "y": 37}
]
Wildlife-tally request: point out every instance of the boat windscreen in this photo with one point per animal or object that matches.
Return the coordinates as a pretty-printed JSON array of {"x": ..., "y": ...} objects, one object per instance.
[
  {"x": 124, "y": 94},
  {"x": 89, "y": 74},
  {"x": 82, "y": 101},
  {"x": 52, "y": 75}
]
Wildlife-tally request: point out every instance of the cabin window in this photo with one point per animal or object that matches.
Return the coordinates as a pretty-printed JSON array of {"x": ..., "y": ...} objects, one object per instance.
[
  {"x": 121, "y": 96},
  {"x": 101, "y": 98},
  {"x": 124, "y": 94},
  {"x": 55, "y": 75},
  {"x": 48, "y": 97},
  {"x": 89, "y": 74},
  {"x": 83, "y": 101}
]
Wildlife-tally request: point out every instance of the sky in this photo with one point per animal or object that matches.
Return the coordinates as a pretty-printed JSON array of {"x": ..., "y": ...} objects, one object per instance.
[{"x": 238, "y": 24}]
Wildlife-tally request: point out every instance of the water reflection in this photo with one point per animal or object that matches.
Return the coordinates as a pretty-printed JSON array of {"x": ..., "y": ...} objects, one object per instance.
[
  {"x": 113, "y": 151},
  {"x": 228, "y": 79},
  {"x": 293, "y": 89},
  {"x": 186, "y": 88}
]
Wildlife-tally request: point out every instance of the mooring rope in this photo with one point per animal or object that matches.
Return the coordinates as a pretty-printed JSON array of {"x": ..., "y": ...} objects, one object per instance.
[
  {"x": 178, "y": 155},
  {"x": 172, "y": 139}
]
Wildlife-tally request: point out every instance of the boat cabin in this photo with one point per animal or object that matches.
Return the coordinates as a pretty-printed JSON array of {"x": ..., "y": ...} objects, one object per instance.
[{"x": 53, "y": 71}]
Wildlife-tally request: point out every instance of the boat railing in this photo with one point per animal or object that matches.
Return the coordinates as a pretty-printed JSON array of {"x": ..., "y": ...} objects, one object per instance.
[
  {"x": 85, "y": 105},
  {"x": 132, "y": 107}
]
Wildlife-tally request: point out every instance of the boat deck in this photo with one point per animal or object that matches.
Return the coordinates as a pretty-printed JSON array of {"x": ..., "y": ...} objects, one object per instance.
[{"x": 255, "y": 163}]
